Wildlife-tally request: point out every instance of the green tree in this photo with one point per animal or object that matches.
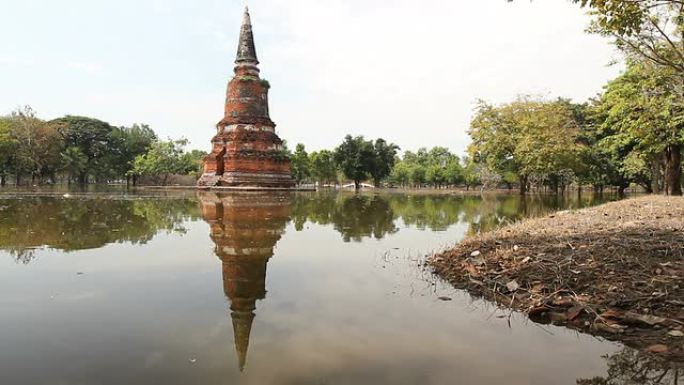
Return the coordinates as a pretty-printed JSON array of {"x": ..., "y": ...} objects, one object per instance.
[
  {"x": 92, "y": 137},
  {"x": 323, "y": 166},
  {"x": 164, "y": 158},
  {"x": 8, "y": 147},
  {"x": 73, "y": 162},
  {"x": 356, "y": 158},
  {"x": 417, "y": 174},
  {"x": 192, "y": 163},
  {"x": 439, "y": 156},
  {"x": 471, "y": 177},
  {"x": 651, "y": 30},
  {"x": 529, "y": 138},
  {"x": 645, "y": 107},
  {"x": 385, "y": 154},
  {"x": 126, "y": 143},
  {"x": 400, "y": 173},
  {"x": 453, "y": 172},
  {"x": 437, "y": 167},
  {"x": 300, "y": 166},
  {"x": 37, "y": 144},
  {"x": 434, "y": 175}
]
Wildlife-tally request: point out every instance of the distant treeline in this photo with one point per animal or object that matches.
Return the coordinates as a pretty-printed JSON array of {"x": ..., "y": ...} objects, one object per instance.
[
  {"x": 630, "y": 135},
  {"x": 77, "y": 149},
  {"x": 377, "y": 162}
]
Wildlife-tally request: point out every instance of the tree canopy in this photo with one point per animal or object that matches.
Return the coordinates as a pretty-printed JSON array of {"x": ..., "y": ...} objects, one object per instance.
[
  {"x": 73, "y": 148},
  {"x": 526, "y": 139}
]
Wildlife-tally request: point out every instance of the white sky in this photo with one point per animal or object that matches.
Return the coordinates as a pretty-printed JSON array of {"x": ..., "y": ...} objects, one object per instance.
[{"x": 407, "y": 71}]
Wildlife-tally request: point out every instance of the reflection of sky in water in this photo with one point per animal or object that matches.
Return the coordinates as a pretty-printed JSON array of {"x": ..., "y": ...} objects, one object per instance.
[{"x": 335, "y": 312}]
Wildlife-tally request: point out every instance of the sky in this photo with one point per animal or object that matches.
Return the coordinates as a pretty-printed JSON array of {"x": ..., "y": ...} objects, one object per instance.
[{"x": 408, "y": 71}]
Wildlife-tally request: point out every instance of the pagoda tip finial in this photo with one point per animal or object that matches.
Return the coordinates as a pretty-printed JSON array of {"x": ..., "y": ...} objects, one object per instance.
[{"x": 246, "y": 53}]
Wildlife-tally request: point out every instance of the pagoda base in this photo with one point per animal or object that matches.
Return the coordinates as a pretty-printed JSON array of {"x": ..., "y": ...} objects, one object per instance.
[{"x": 247, "y": 179}]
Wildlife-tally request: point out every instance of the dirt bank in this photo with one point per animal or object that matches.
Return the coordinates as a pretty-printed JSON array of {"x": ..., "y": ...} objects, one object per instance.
[{"x": 614, "y": 270}]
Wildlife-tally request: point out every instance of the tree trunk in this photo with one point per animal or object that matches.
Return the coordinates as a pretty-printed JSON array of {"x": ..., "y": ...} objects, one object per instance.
[
  {"x": 523, "y": 184},
  {"x": 2, "y": 180},
  {"x": 648, "y": 189},
  {"x": 621, "y": 190},
  {"x": 357, "y": 185},
  {"x": 673, "y": 169},
  {"x": 656, "y": 167}
]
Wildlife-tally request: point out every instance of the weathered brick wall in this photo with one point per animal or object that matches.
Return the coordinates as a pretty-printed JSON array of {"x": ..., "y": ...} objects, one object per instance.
[{"x": 247, "y": 101}]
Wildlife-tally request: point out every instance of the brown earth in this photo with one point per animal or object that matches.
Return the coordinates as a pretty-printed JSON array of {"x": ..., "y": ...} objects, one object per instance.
[{"x": 613, "y": 270}]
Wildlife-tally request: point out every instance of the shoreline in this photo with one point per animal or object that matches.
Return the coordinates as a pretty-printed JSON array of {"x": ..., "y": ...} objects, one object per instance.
[
  {"x": 226, "y": 188},
  {"x": 615, "y": 270}
]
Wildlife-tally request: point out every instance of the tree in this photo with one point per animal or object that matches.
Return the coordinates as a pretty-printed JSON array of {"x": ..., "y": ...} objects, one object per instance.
[
  {"x": 434, "y": 175},
  {"x": 192, "y": 163},
  {"x": 437, "y": 167},
  {"x": 73, "y": 162},
  {"x": 471, "y": 176},
  {"x": 163, "y": 159},
  {"x": 37, "y": 144},
  {"x": 323, "y": 167},
  {"x": 92, "y": 137},
  {"x": 528, "y": 138},
  {"x": 453, "y": 172},
  {"x": 417, "y": 174},
  {"x": 8, "y": 147},
  {"x": 356, "y": 158},
  {"x": 400, "y": 173},
  {"x": 126, "y": 144},
  {"x": 650, "y": 32},
  {"x": 300, "y": 166},
  {"x": 645, "y": 108},
  {"x": 648, "y": 29},
  {"x": 385, "y": 155}
]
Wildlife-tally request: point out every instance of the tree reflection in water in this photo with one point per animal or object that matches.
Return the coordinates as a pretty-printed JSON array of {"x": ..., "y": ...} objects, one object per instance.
[
  {"x": 376, "y": 215},
  {"x": 353, "y": 216},
  {"x": 30, "y": 223},
  {"x": 632, "y": 367}
]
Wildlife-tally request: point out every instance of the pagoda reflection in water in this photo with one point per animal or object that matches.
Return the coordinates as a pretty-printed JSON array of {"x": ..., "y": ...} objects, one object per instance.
[{"x": 245, "y": 228}]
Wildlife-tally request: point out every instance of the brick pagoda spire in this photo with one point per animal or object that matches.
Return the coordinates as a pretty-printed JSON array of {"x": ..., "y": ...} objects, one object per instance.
[{"x": 246, "y": 151}]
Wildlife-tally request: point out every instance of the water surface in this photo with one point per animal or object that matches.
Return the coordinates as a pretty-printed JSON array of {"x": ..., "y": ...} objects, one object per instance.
[{"x": 255, "y": 288}]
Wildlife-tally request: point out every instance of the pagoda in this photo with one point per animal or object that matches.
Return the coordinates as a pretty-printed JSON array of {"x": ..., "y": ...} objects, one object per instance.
[{"x": 246, "y": 151}]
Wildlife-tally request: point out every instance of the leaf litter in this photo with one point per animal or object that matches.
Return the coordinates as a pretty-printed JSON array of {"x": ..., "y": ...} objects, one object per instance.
[{"x": 613, "y": 270}]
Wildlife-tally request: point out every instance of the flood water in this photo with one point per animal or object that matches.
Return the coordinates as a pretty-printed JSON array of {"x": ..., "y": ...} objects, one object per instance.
[{"x": 256, "y": 288}]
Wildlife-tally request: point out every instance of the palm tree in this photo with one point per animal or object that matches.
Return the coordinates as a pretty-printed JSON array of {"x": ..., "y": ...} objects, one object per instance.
[{"x": 73, "y": 161}]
